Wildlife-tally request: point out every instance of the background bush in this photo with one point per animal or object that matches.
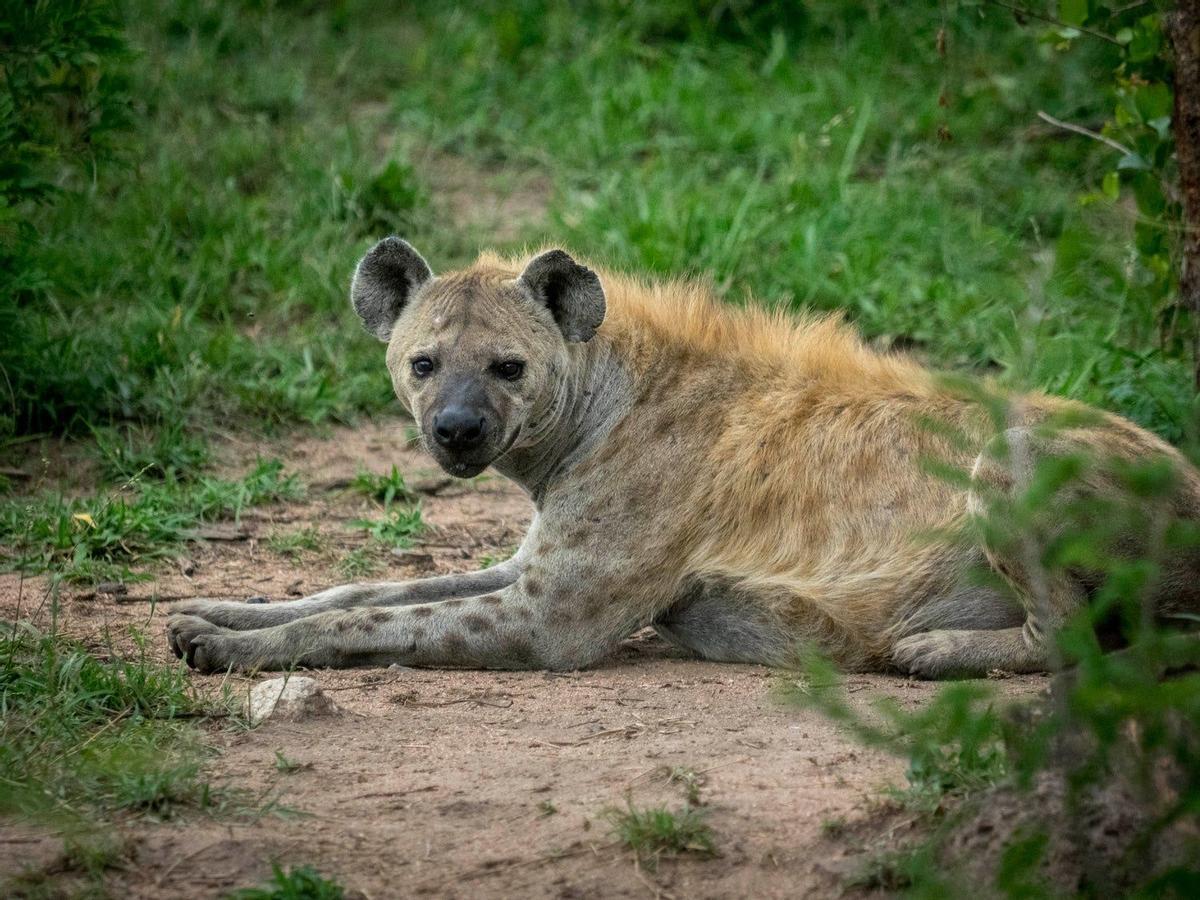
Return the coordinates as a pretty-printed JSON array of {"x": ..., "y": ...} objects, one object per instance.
[{"x": 193, "y": 181}]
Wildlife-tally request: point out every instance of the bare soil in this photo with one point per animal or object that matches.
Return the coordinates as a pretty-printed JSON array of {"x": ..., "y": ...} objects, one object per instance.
[{"x": 478, "y": 784}]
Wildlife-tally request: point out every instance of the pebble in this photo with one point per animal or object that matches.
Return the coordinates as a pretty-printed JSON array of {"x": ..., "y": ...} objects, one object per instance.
[{"x": 291, "y": 699}]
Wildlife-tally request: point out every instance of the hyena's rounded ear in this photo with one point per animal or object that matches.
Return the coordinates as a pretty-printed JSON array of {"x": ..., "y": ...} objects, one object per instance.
[
  {"x": 386, "y": 279},
  {"x": 570, "y": 291}
]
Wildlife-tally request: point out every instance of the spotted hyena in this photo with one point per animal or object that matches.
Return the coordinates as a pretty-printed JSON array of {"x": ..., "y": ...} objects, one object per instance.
[{"x": 742, "y": 481}]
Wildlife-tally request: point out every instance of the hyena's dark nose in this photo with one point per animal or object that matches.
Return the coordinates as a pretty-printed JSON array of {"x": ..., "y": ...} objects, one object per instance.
[{"x": 459, "y": 428}]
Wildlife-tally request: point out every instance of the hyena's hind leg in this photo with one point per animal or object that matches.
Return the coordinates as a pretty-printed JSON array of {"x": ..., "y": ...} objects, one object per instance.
[
  {"x": 1048, "y": 599},
  {"x": 716, "y": 620}
]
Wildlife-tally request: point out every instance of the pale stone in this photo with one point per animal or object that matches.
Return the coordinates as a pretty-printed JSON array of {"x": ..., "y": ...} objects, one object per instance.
[{"x": 292, "y": 698}]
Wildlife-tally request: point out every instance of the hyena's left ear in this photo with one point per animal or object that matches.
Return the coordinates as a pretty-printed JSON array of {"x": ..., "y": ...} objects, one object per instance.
[
  {"x": 570, "y": 291},
  {"x": 386, "y": 279}
]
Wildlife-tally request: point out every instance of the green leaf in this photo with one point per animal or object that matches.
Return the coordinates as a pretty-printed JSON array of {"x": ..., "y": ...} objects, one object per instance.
[
  {"x": 1073, "y": 12},
  {"x": 1149, "y": 193},
  {"x": 1147, "y": 39},
  {"x": 1133, "y": 162},
  {"x": 1148, "y": 238},
  {"x": 1153, "y": 101},
  {"x": 1111, "y": 186}
]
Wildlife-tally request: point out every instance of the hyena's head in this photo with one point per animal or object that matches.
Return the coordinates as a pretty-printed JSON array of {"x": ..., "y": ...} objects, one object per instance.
[{"x": 478, "y": 356}]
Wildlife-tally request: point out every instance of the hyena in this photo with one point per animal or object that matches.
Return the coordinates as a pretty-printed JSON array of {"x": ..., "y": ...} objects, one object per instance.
[{"x": 741, "y": 480}]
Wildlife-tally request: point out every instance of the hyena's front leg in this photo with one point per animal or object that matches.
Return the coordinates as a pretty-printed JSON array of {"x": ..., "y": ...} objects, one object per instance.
[
  {"x": 248, "y": 616},
  {"x": 530, "y": 624}
]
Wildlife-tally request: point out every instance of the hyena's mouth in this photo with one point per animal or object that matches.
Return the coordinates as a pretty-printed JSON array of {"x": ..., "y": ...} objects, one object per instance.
[{"x": 470, "y": 466}]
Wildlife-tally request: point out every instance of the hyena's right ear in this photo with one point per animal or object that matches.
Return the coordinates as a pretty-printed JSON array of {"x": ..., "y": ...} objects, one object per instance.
[{"x": 385, "y": 280}]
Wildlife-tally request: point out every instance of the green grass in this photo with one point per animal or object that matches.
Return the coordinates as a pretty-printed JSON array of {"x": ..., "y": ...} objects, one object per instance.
[
  {"x": 954, "y": 743},
  {"x": 143, "y": 451},
  {"x": 655, "y": 832},
  {"x": 91, "y": 732},
  {"x": 796, "y": 159},
  {"x": 288, "y": 766},
  {"x": 385, "y": 489},
  {"x": 97, "y": 735},
  {"x": 294, "y": 544},
  {"x": 493, "y": 559},
  {"x": 102, "y": 536},
  {"x": 357, "y": 563},
  {"x": 398, "y": 527},
  {"x": 302, "y": 883}
]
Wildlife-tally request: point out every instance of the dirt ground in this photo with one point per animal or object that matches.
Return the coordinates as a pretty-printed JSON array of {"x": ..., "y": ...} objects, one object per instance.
[{"x": 479, "y": 784}]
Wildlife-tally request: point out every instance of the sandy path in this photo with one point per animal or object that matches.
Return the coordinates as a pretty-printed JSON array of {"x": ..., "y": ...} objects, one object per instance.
[{"x": 487, "y": 784}]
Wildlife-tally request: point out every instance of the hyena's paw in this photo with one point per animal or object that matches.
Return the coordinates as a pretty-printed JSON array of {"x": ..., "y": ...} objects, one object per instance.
[
  {"x": 229, "y": 614},
  {"x": 931, "y": 654},
  {"x": 205, "y": 647}
]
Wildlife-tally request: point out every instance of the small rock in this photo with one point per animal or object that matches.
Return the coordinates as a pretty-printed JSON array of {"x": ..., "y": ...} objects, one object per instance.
[
  {"x": 257, "y": 600},
  {"x": 112, "y": 587},
  {"x": 396, "y": 667},
  {"x": 290, "y": 699},
  {"x": 293, "y": 589}
]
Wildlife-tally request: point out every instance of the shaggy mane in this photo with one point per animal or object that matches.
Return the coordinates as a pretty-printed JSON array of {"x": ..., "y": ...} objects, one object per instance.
[{"x": 683, "y": 314}]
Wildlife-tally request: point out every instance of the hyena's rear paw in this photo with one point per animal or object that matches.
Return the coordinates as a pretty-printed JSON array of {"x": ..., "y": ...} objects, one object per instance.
[
  {"x": 204, "y": 646},
  {"x": 930, "y": 654}
]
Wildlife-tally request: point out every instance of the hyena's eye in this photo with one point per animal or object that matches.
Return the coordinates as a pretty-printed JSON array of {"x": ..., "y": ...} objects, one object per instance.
[
  {"x": 422, "y": 366},
  {"x": 510, "y": 370}
]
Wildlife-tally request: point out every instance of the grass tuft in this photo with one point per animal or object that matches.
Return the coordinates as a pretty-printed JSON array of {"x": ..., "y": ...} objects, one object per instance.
[
  {"x": 294, "y": 543},
  {"x": 384, "y": 489},
  {"x": 303, "y": 883},
  {"x": 287, "y": 765},
  {"x": 656, "y": 832},
  {"x": 398, "y": 527},
  {"x": 357, "y": 564}
]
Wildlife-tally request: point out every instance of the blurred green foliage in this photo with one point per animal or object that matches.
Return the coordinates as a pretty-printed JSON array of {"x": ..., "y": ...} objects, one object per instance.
[
  {"x": 820, "y": 154},
  {"x": 1139, "y": 129}
]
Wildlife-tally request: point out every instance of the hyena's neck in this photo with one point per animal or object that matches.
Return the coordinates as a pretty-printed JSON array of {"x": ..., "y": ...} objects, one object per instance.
[{"x": 592, "y": 397}]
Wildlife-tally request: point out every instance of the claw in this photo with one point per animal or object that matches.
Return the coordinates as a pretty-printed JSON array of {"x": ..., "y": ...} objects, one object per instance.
[{"x": 188, "y": 636}]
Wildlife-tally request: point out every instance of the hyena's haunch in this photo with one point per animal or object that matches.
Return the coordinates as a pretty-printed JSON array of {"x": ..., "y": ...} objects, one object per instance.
[{"x": 742, "y": 481}]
